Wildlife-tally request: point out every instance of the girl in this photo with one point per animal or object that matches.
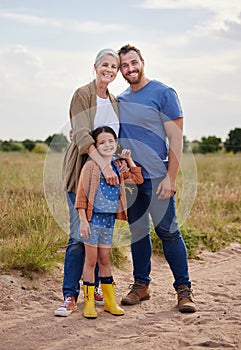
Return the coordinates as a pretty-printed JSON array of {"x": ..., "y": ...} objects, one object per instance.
[{"x": 99, "y": 204}]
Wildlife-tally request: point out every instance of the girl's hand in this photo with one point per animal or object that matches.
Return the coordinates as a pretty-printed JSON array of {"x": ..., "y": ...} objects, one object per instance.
[
  {"x": 84, "y": 228},
  {"x": 122, "y": 164},
  {"x": 126, "y": 154}
]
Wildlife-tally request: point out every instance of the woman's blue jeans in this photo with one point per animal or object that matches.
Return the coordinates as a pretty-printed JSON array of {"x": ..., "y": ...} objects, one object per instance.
[
  {"x": 75, "y": 254},
  {"x": 143, "y": 204}
]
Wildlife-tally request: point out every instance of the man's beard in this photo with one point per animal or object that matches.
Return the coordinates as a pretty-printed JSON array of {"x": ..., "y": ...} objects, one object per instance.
[{"x": 137, "y": 81}]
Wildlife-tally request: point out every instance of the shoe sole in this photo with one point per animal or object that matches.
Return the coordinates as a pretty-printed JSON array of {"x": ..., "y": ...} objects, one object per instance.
[
  {"x": 126, "y": 302},
  {"x": 64, "y": 313},
  {"x": 187, "y": 310},
  {"x": 114, "y": 314}
]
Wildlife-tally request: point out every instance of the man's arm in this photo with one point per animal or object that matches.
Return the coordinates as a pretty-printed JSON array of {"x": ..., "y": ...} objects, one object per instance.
[{"x": 174, "y": 132}]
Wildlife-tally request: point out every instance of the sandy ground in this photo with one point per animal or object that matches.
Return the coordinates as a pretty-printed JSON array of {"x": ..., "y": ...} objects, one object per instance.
[{"x": 27, "y": 311}]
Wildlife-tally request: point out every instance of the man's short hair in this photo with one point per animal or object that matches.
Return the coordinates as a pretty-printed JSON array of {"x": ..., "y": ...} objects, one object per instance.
[{"x": 126, "y": 48}]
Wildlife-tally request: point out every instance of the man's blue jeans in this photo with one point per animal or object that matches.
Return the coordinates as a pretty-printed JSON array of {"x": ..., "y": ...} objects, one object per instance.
[
  {"x": 75, "y": 254},
  {"x": 143, "y": 204}
]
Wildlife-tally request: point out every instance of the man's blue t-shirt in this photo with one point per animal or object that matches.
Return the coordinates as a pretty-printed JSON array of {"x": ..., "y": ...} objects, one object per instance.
[{"x": 142, "y": 114}]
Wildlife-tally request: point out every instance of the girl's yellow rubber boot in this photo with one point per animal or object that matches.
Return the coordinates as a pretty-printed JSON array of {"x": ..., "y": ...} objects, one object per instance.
[
  {"x": 89, "y": 306},
  {"x": 109, "y": 296}
]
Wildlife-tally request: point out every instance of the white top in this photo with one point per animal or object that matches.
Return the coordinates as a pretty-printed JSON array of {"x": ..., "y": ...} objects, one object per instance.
[{"x": 105, "y": 115}]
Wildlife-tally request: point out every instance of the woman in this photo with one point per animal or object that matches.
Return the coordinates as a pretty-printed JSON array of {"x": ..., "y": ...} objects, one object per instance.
[{"x": 91, "y": 106}]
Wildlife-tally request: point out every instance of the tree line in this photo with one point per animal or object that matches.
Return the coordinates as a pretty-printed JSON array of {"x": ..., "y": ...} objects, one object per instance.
[
  {"x": 59, "y": 143},
  {"x": 212, "y": 144},
  {"x": 56, "y": 142}
]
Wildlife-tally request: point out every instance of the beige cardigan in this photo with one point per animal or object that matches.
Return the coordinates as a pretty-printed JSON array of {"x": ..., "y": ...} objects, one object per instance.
[
  {"x": 89, "y": 182},
  {"x": 82, "y": 114}
]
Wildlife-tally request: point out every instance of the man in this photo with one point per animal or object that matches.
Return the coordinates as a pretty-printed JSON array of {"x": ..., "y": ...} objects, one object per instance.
[{"x": 151, "y": 127}]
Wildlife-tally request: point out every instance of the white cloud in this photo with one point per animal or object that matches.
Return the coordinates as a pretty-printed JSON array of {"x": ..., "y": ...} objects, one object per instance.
[
  {"x": 38, "y": 78},
  {"x": 177, "y": 41},
  {"x": 224, "y": 14},
  {"x": 18, "y": 67},
  {"x": 27, "y": 68},
  {"x": 208, "y": 86},
  {"x": 73, "y": 25},
  {"x": 36, "y": 87}
]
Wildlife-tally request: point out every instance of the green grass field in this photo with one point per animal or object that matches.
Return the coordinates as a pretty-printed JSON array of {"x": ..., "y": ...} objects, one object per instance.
[{"x": 208, "y": 206}]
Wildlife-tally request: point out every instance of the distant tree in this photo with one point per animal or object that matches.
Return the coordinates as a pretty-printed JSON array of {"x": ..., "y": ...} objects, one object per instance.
[
  {"x": 210, "y": 144},
  {"x": 233, "y": 142},
  {"x": 195, "y": 146},
  {"x": 41, "y": 147},
  {"x": 49, "y": 140},
  {"x": 186, "y": 144},
  {"x": 11, "y": 145},
  {"x": 57, "y": 142},
  {"x": 29, "y": 144}
]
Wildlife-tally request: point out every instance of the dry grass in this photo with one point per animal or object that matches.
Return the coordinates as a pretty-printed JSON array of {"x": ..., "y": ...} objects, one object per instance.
[
  {"x": 30, "y": 238},
  {"x": 215, "y": 218}
]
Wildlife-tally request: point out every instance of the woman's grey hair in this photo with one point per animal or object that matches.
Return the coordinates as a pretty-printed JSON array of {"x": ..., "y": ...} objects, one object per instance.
[{"x": 106, "y": 52}]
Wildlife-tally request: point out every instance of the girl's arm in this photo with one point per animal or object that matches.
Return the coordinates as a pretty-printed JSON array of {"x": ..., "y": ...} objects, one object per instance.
[
  {"x": 84, "y": 224},
  {"x": 134, "y": 174},
  {"x": 81, "y": 200},
  {"x": 126, "y": 154}
]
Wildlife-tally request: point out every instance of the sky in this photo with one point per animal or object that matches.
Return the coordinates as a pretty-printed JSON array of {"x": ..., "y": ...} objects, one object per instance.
[{"x": 48, "y": 48}]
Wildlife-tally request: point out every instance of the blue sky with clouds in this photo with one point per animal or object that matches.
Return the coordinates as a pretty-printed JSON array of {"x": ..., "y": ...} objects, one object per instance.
[{"x": 48, "y": 47}]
